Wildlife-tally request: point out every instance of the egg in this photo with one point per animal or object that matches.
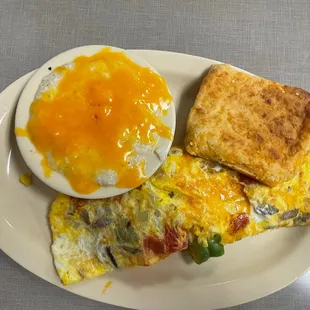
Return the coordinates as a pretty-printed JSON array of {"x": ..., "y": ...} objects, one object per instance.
[{"x": 189, "y": 203}]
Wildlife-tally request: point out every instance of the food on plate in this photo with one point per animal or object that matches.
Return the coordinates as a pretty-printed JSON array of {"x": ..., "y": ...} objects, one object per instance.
[
  {"x": 189, "y": 203},
  {"x": 26, "y": 179},
  {"x": 258, "y": 127},
  {"x": 106, "y": 287},
  {"x": 289, "y": 201},
  {"x": 96, "y": 119}
]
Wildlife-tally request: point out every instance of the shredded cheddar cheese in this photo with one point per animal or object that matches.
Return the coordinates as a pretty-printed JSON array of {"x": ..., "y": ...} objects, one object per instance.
[
  {"x": 107, "y": 285},
  {"x": 25, "y": 179},
  {"x": 90, "y": 122}
]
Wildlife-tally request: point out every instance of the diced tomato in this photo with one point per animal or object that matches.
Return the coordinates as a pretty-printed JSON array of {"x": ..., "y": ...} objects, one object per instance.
[
  {"x": 239, "y": 222},
  {"x": 154, "y": 244},
  {"x": 172, "y": 242}
]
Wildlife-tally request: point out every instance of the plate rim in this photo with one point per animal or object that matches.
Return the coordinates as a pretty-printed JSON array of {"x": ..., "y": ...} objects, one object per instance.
[{"x": 237, "y": 301}]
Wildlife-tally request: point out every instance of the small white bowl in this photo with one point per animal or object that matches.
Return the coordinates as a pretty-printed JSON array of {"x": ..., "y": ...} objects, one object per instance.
[{"x": 33, "y": 158}]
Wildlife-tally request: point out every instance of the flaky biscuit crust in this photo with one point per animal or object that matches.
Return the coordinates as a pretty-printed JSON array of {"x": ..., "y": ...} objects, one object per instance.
[{"x": 255, "y": 126}]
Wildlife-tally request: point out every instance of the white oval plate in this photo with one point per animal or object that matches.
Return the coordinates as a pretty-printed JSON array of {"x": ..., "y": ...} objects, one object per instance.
[
  {"x": 33, "y": 159},
  {"x": 250, "y": 269}
]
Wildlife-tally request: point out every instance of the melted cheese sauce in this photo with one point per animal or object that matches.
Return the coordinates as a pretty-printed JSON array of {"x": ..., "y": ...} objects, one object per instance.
[{"x": 103, "y": 106}]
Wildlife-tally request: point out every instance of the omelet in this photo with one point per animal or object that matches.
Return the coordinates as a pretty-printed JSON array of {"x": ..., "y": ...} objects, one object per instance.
[{"x": 189, "y": 203}]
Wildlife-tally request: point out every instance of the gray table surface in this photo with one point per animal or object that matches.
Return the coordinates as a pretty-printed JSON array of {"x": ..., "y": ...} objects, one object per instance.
[{"x": 267, "y": 37}]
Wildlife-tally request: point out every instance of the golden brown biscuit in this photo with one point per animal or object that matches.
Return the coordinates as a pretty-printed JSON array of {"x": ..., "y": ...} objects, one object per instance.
[{"x": 258, "y": 127}]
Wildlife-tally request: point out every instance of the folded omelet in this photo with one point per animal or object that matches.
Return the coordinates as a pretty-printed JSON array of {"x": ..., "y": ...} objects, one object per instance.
[{"x": 190, "y": 203}]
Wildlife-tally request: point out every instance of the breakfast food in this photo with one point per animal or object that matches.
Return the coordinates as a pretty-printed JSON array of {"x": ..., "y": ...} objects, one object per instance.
[
  {"x": 190, "y": 203},
  {"x": 26, "y": 179},
  {"x": 258, "y": 127},
  {"x": 97, "y": 119}
]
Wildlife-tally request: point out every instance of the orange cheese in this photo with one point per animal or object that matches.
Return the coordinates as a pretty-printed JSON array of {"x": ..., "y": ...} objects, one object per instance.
[{"x": 99, "y": 110}]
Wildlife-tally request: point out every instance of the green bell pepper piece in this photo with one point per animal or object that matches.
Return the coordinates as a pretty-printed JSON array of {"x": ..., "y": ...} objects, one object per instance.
[
  {"x": 199, "y": 253},
  {"x": 216, "y": 249}
]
